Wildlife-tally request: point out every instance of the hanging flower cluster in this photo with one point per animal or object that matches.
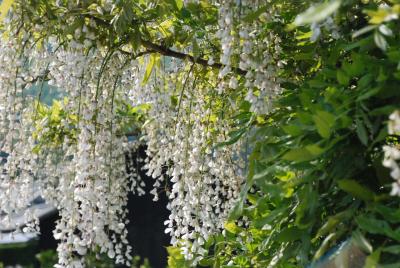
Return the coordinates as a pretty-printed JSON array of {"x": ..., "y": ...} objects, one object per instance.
[
  {"x": 76, "y": 153},
  {"x": 84, "y": 173},
  {"x": 392, "y": 153},
  {"x": 96, "y": 183},
  {"x": 16, "y": 178},
  {"x": 262, "y": 65},
  {"x": 259, "y": 56},
  {"x": 226, "y": 35}
]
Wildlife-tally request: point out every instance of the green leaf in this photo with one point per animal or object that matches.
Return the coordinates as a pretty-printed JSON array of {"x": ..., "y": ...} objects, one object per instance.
[
  {"x": 318, "y": 83},
  {"x": 293, "y": 130},
  {"x": 391, "y": 265},
  {"x": 394, "y": 56},
  {"x": 149, "y": 68},
  {"x": 179, "y": 4},
  {"x": 315, "y": 149},
  {"x": 290, "y": 234},
  {"x": 342, "y": 77},
  {"x": 324, "y": 246},
  {"x": 392, "y": 249},
  {"x": 365, "y": 80},
  {"x": 317, "y": 13},
  {"x": 355, "y": 189},
  {"x": 176, "y": 259},
  {"x": 237, "y": 210},
  {"x": 374, "y": 226},
  {"x": 359, "y": 240},
  {"x": 232, "y": 227},
  {"x": 372, "y": 260},
  {"x": 381, "y": 135},
  {"x": 259, "y": 223},
  {"x": 324, "y": 122},
  {"x": 368, "y": 93},
  {"x": 165, "y": 27},
  {"x": 307, "y": 153},
  {"x": 357, "y": 67},
  {"x": 141, "y": 108},
  {"x": 4, "y": 8},
  {"x": 298, "y": 155},
  {"x": 206, "y": 262},
  {"x": 389, "y": 214},
  {"x": 234, "y": 137},
  {"x": 383, "y": 76},
  {"x": 332, "y": 222},
  {"x": 362, "y": 132},
  {"x": 55, "y": 111}
]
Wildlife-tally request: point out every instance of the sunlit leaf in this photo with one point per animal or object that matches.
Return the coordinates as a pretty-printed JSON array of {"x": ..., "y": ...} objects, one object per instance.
[
  {"x": 149, "y": 68},
  {"x": 179, "y": 4},
  {"x": 4, "y": 8},
  {"x": 324, "y": 122}
]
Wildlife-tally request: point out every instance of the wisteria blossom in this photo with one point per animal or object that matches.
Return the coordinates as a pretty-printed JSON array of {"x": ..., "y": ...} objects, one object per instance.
[
  {"x": 85, "y": 167},
  {"x": 392, "y": 153}
]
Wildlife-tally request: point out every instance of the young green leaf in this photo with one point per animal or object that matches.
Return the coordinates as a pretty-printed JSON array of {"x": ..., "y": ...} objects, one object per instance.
[
  {"x": 179, "y": 4},
  {"x": 4, "y": 8},
  {"x": 324, "y": 122},
  {"x": 149, "y": 68}
]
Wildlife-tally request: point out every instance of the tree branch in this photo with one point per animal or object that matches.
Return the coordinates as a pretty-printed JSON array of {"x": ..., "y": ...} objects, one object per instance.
[
  {"x": 175, "y": 54},
  {"x": 35, "y": 79},
  {"x": 136, "y": 55}
]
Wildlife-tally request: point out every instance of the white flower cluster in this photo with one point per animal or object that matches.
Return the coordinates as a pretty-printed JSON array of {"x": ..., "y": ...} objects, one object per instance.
[
  {"x": 262, "y": 70},
  {"x": 84, "y": 173},
  {"x": 95, "y": 183},
  {"x": 259, "y": 56},
  {"x": 392, "y": 153},
  {"x": 226, "y": 35},
  {"x": 16, "y": 177},
  {"x": 85, "y": 178},
  {"x": 181, "y": 143}
]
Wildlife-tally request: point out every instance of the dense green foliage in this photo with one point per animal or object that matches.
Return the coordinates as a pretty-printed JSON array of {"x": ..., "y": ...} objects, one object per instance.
[{"x": 315, "y": 175}]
